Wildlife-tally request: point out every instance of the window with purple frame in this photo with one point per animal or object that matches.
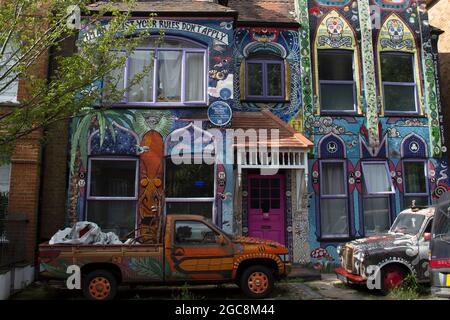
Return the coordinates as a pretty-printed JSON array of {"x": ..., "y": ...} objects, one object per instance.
[
  {"x": 112, "y": 193},
  {"x": 399, "y": 84},
  {"x": 415, "y": 183},
  {"x": 265, "y": 78},
  {"x": 336, "y": 81},
  {"x": 377, "y": 188},
  {"x": 174, "y": 74},
  {"x": 334, "y": 219}
]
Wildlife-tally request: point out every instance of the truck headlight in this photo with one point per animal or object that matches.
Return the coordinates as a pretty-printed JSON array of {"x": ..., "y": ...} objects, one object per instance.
[
  {"x": 360, "y": 255},
  {"x": 339, "y": 250}
]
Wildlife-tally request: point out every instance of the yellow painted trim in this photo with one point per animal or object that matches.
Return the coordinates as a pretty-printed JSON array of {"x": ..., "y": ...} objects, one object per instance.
[
  {"x": 408, "y": 35},
  {"x": 287, "y": 80},
  {"x": 242, "y": 79},
  {"x": 322, "y": 30}
]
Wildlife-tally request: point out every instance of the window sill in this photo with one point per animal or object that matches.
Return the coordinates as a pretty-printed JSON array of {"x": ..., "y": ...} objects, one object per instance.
[
  {"x": 335, "y": 239},
  {"x": 265, "y": 101},
  {"x": 340, "y": 114},
  {"x": 157, "y": 105},
  {"x": 403, "y": 115}
]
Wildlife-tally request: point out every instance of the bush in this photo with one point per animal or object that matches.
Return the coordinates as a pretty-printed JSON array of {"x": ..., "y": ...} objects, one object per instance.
[{"x": 409, "y": 290}]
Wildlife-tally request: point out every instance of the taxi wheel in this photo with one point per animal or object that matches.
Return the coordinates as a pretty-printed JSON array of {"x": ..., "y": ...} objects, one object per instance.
[
  {"x": 257, "y": 282},
  {"x": 391, "y": 277},
  {"x": 100, "y": 285}
]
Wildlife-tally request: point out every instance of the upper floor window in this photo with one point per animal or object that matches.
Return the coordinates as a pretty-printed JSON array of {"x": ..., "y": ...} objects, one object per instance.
[
  {"x": 174, "y": 73},
  {"x": 8, "y": 83},
  {"x": 265, "y": 78},
  {"x": 398, "y": 81},
  {"x": 336, "y": 81}
]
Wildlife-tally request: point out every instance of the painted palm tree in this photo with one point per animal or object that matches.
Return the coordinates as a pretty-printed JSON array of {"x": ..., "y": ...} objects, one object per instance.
[{"x": 103, "y": 120}]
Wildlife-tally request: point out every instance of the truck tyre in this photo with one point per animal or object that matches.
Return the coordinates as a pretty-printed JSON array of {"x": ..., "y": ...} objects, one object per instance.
[
  {"x": 391, "y": 277},
  {"x": 99, "y": 285},
  {"x": 257, "y": 282}
]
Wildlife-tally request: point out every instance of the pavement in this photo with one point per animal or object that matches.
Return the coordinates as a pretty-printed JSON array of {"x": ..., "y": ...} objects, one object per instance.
[{"x": 326, "y": 287}]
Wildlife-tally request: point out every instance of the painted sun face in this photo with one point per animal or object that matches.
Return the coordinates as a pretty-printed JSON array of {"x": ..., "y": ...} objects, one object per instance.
[
  {"x": 335, "y": 28},
  {"x": 395, "y": 29}
]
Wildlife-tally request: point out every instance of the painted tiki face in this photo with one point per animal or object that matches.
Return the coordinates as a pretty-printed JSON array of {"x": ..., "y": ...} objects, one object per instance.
[
  {"x": 395, "y": 29},
  {"x": 335, "y": 28}
]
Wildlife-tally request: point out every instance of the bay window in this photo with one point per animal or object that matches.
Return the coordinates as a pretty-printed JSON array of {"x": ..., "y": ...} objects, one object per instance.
[
  {"x": 415, "y": 183},
  {"x": 334, "y": 220},
  {"x": 174, "y": 73},
  {"x": 398, "y": 81},
  {"x": 377, "y": 188},
  {"x": 189, "y": 189},
  {"x": 336, "y": 81},
  {"x": 112, "y": 194}
]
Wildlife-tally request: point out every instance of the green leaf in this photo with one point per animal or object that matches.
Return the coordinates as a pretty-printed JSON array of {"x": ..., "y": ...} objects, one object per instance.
[{"x": 102, "y": 127}]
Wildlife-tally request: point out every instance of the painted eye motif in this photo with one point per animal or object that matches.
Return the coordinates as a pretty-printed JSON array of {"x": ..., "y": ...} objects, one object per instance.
[{"x": 391, "y": 29}]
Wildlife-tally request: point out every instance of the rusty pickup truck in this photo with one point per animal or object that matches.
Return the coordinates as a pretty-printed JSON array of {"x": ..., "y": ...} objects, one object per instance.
[{"x": 189, "y": 249}]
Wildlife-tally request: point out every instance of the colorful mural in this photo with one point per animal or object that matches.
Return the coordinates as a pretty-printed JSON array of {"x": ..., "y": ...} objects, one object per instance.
[
  {"x": 373, "y": 136},
  {"x": 367, "y": 135}
]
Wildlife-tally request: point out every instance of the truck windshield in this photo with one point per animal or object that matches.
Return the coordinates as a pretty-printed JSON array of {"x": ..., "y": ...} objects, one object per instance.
[
  {"x": 408, "y": 223},
  {"x": 441, "y": 222}
]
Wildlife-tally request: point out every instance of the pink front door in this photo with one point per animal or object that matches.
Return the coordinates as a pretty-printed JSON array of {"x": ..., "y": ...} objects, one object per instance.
[{"x": 266, "y": 207}]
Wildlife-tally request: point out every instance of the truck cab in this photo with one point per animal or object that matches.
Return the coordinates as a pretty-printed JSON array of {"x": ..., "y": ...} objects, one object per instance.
[{"x": 190, "y": 249}]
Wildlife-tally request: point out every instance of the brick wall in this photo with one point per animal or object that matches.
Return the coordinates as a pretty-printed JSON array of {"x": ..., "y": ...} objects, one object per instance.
[
  {"x": 26, "y": 171},
  {"x": 439, "y": 16},
  {"x": 54, "y": 180},
  {"x": 24, "y": 187}
]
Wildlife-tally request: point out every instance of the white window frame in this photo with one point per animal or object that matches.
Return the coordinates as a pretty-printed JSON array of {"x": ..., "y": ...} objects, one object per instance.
[{"x": 212, "y": 199}]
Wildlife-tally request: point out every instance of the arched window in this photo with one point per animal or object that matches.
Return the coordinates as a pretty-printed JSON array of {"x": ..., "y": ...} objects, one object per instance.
[
  {"x": 175, "y": 73},
  {"x": 415, "y": 182},
  {"x": 399, "y": 67},
  {"x": 334, "y": 195},
  {"x": 337, "y": 80}
]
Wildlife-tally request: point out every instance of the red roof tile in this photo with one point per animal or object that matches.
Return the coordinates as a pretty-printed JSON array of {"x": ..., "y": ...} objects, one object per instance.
[
  {"x": 264, "y": 10},
  {"x": 288, "y": 137},
  {"x": 172, "y": 6}
]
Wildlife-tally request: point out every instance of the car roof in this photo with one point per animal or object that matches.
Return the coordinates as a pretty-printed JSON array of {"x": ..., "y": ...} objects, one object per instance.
[{"x": 428, "y": 211}]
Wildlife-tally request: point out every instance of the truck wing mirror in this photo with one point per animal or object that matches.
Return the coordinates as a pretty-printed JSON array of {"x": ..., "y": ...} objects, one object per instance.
[
  {"x": 426, "y": 236},
  {"x": 221, "y": 240}
]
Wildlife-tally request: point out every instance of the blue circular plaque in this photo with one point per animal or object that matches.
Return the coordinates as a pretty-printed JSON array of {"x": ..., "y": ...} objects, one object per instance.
[{"x": 219, "y": 113}]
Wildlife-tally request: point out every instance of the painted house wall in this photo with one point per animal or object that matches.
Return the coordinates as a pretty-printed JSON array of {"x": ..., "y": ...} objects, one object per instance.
[
  {"x": 137, "y": 128},
  {"x": 439, "y": 18},
  {"x": 368, "y": 133}
]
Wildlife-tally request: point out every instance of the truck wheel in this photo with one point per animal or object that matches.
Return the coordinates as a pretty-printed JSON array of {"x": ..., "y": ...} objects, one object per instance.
[
  {"x": 257, "y": 282},
  {"x": 391, "y": 278},
  {"x": 99, "y": 285}
]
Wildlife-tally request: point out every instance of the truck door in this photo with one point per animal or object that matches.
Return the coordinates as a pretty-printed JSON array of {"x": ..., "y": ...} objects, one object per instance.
[{"x": 197, "y": 252}]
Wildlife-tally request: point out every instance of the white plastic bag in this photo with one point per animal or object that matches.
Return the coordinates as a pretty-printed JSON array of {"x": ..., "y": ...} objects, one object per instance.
[{"x": 84, "y": 232}]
